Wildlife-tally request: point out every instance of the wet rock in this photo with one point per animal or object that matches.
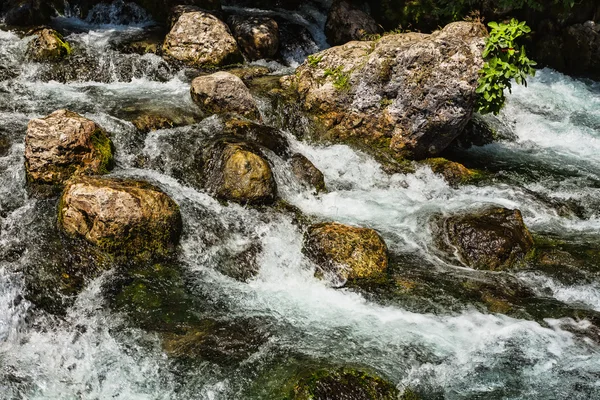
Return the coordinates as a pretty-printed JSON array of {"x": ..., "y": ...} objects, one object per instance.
[
  {"x": 342, "y": 383},
  {"x": 306, "y": 172},
  {"x": 221, "y": 342},
  {"x": 453, "y": 172},
  {"x": 200, "y": 39},
  {"x": 223, "y": 92},
  {"x": 258, "y": 37},
  {"x": 248, "y": 73},
  {"x": 582, "y": 49},
  {"x": 492, "y": 239},
  {"x": 153, "y": 122},
  {"x": 345, "y": 23},
  {"x": 236, "y": 172},
  {"x": 482, "y": 130},
  {"x": 48, "y": 45},
  {"x": 122, "y": 217},
  {"x": 64, "y": 144},
  {"x": 27, "y": 12},
  {"x": 345, "y": 252},
  {"x": 4, "y": 145},
  {"x": 265, "y": 136},
  {"x": 411, "y": 94}
]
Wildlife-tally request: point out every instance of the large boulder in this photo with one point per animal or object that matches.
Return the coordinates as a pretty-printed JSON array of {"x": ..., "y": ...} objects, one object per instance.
[
  {"x": 345, "y": 252},
  {"x": 492, "y": 239},
  {"x": 411, "y": 93},
  {"x": 48, "y": 45},
  {"x": 223, "y": 92},
  {"x": 122, "y": 217},
  {"x": 200, "y": 39},
  {"x": 345, "y": 23},
  {"x": 340, "y": 384},
  {"x": 258, "y": 37},
  {"x": 235, "y": 171},
  {"x": 64, "y": 144}
]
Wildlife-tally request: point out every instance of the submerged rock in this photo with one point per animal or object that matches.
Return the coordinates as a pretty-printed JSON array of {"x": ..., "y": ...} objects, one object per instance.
[
  {"x": 223, "y": 92},
  {"x": 307, "y": 173},
  {"x": 482, "y": 130},
  {"x": 343, "y": 383},
  {"x": 345, "y": 23},
  {"x": 200, "y": 39},
  {"x": 411, "y": 93},
  {"x": 64, "y": 144},
  {"x": 4, "y": 145},
  {"x": 48, "y": 45},
  {"x": 258, "y": 37},
  {"x": 345, "y": 252},
  {"x": 454, "y": 173},
  {"x": 235, "y": 172},
  {"x": 265, "y": 136},
  {"x": 123, "y": 217},
  {"x": 492, "y": 239}
]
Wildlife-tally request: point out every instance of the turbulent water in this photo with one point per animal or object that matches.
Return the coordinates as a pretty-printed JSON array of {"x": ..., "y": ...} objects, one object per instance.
[{"x": 440, "y": 344}]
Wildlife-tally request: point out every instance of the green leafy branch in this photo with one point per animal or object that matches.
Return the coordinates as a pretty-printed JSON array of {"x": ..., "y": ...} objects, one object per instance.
[{"x": 504, "y": 61}]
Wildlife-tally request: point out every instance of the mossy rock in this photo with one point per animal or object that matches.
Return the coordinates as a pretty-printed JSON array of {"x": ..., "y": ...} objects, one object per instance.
[
  {"x": 62, "y": 145},
  {"x": 48, "y": 46},
  {"x": 454, "y": 173},
  {"x": 236, "y": 171},
  {"x": 345, "y": 252},
  {"x": 343, "y": 383},
  {"x": 122, "y": 217},
  {"x": 307, "y": 173}
]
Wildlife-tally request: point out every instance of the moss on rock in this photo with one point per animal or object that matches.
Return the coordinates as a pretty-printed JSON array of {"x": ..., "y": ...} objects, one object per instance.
[
  {"x": 345, "y": 252},
  {"x": 342, "y": 383},
  {"x": 454, "y": 173}
]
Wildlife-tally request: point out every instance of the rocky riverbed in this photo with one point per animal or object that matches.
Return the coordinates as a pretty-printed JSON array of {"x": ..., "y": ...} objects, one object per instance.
[{"x": 213, "y": 203}]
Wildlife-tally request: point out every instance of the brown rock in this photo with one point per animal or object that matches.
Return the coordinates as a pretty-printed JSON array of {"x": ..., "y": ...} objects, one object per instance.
[
  {"x": 258, "y": 37},
  {"x": 124, "y": 217},
  {"x": 237, "y": 173},
  {"x": 200, "y": 39},
  {"x": 492, "y": 239},
  {"x": 48, "y": 45},
  {"x": 223, "y": 92},
  {"x": 64, "y": 144},
  {"x": 306, "y": 172},
  {"x": 346, "y": 252},
  {"x": 345, "y": 23}
]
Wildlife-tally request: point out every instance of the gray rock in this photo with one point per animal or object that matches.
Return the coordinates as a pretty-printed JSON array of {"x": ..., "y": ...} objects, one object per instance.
[
  {"x": 223, "y": 92},
  {"x": 200, "y": 39},
  {"x": 412, "y": 93}
]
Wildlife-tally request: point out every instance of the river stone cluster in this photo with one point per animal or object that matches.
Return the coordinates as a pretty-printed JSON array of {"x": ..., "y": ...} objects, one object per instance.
[{"x": 64, "y": 144}]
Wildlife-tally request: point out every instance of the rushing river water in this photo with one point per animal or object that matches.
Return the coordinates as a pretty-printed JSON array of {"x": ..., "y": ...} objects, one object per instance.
[{"x": 441, "y": 344}]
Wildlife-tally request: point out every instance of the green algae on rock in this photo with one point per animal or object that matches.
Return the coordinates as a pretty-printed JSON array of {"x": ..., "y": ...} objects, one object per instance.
[
  {"x": 236, "y": 172},
  {"x": 123, "y": 217},
  {"x": 345, "y": 252},
  {"x": 62, "y": 145},
  {"x": 454, "y": 173},
  {"x": 342, "y": 383},
  {"x": 48, "y": 45}
]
